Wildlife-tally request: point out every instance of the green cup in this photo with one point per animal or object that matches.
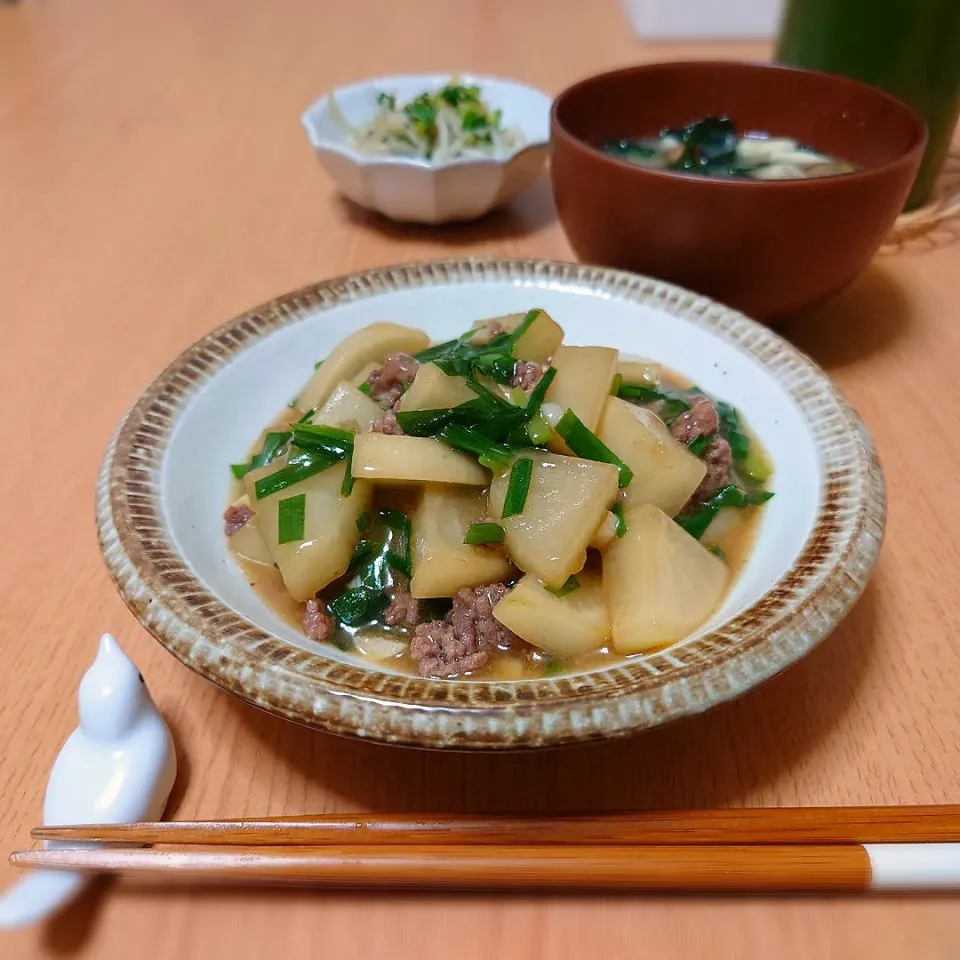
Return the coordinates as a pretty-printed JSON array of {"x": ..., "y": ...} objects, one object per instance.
[{"x": 910, "y": 48}]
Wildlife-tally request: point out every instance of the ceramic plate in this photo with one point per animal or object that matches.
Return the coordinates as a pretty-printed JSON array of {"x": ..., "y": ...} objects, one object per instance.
[{"x": 165, "y": 482}]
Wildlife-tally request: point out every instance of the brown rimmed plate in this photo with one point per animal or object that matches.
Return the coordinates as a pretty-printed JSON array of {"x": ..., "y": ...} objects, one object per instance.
[{"x": 165, "y": 480}]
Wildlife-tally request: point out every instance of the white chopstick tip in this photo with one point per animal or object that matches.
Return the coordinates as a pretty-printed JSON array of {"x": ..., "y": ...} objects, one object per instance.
[{"x": 914, "y": 866}]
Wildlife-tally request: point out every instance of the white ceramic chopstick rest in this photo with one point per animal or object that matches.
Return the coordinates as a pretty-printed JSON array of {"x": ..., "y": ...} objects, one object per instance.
[
  {"x": 914, "y": 866},
  {"x": 118, "y": 766}
]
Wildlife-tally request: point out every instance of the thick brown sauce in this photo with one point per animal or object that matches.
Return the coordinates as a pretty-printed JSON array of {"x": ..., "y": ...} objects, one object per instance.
[{"x": 530, "y": 664}]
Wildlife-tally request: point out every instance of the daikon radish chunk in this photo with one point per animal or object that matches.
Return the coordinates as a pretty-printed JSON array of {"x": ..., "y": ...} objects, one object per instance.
[
  {"x": 644, "y": 373},
  {"x": 659, "y": 583},
  {"x": 573, "y": 623},
  {"x": 442, "y": 562},
  {"x": 565, "y": 503},
  {"x": 540, "y": 341},
  {"x": 369, "y": 345},
  {"x": 582, "y": 384},
  {"x": 376, "y": 646},
  {"x": 330, "y": 527},
  {"x": 392, "y": 460},
  {"x": 725, "y": 520},
  {"x": 432, "y": 389},
  {"x": 665, "y": 473},
  {"x": 349, "y": 409},
  {"x": 605, "y": 532},
  {"x": 248, "y": 541}
]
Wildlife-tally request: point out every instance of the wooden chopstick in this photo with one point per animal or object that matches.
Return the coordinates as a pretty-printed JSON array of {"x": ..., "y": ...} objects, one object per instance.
[
  {"x": 762, "y": 825},
  {"x": 688, "y": 869}
]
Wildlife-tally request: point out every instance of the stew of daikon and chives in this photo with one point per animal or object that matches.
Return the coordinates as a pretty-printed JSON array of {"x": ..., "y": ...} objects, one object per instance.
[{"x": 501, "y": 505}]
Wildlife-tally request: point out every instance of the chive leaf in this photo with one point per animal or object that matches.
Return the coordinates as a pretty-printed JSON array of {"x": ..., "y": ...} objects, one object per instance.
[
  {"x": 698, "y": 445},
  {"x": 478, "y": 533},
  {"x": 331, "y": 441},
  {"x": 585, "y": 443},
  {"x": 472, "y": 441},
  {"x": 730, "y": 430},
  {"x": 621, "y": 519},
  {"x": 291, "y": 513},
  {"x": 568, "y": 586},
  {"x": 523, "y": 326},
  {"x": 697, "y": 522},
  {"x": 273, "y": 444},
  {"x": 539, "y": 392},
  {"x": 346, "y": 488},
  {"x": 358, "y": 605},
  {"x": 299, "y": 467},
  {"x": 517, "y": 487}
]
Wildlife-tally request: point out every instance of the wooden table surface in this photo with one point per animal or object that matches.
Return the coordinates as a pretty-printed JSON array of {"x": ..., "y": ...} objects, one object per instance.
[{"x": 154, "y": 181}]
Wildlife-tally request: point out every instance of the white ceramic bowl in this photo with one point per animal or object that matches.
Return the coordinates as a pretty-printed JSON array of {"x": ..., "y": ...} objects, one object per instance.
[
  {"x": 422, "y": 191},
  {"x": 165, "y": 482}
]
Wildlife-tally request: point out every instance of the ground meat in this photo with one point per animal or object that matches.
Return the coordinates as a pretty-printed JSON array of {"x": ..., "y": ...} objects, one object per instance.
[
  {"x": 317, "y": 623},
  {"x": 719, "y": 461},
  {"x": 404, "y": 610},
  {"x": 527, "y": 374},
  {"x": 388, "y": 424},
  {"x": 485, "y": 332},
  {"x": 465, "y": 638},
  {"x": 234, "y": 518},
  {"x": 387, "y": 382},
  {"x": 700, "y": 420}
]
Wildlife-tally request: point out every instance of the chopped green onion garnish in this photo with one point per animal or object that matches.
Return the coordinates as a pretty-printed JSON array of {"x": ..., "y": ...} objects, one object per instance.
[
  {"x": 273, "y": 444},
  {"x": 517, "y": 487},
  {"x": 569, "y": 585},
  {"x": 615, "y": 388},
  {"x": 621, "y": 519},
  {"x": 364, "y": 522},
  {"x": 585, "y": 443},
  {"x": 304, "y": 464},
  {"x": 478, "y": 533},
  {"x": 318, "y": 365},
  {"x": 699, "y": 444},
  {"x": 291, "y": 513},
  {"x": 308, "y": 415},
  {"x": 366, "y": 388},
  {"x": 696, "y": 523},
  {"x": 292, "y": 405}
]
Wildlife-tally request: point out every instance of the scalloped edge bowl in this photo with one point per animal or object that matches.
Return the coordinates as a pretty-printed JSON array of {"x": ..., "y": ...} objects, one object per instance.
[{"x": 412, "y": 190}]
